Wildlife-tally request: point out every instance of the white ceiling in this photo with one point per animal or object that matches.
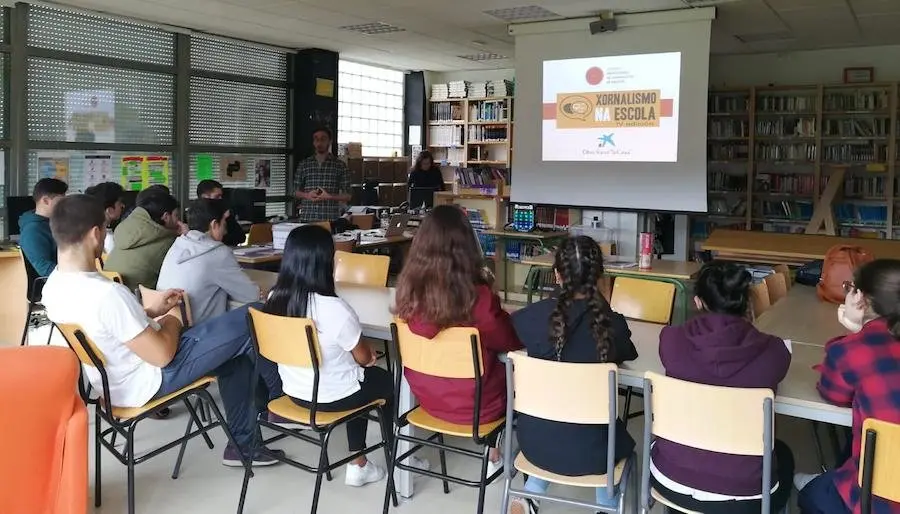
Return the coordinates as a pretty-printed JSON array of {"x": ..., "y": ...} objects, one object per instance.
[{"x": 436, "y": 32}]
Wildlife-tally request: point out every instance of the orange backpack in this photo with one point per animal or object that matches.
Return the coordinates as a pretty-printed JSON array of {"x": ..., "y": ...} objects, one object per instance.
[{"x": 840, "y": 263}]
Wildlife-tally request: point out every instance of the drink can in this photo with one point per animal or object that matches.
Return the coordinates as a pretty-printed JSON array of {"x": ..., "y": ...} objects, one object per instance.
[{"x": 646, "y": 246}]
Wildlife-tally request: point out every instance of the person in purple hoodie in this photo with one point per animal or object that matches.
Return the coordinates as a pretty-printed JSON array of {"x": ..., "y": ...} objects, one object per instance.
[{"x": 721, "y": 347}]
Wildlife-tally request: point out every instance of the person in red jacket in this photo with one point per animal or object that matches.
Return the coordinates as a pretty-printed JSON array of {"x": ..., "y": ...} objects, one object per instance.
[{"x": 443, "y": 284}]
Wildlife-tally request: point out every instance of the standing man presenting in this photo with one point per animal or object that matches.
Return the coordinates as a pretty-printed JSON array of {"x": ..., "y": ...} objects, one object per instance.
[{"x": 322, "y": 182}]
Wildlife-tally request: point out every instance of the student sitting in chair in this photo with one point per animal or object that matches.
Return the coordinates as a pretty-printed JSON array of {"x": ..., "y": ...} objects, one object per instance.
[
  {"x": 111, "y": 195},
  {"x": 200, "y": 264},
  {"x": 862, "y": 371},
  {"x": 443, "y": 285},
  {"x": 213, "y": 190},
  {"x": 35, "y": 238},
  {"x": 577, "y": 326},
  {"x": 143, "y": 239},
  {"x": 146, "y": 354},
  {"x": 721, "y": 347}
]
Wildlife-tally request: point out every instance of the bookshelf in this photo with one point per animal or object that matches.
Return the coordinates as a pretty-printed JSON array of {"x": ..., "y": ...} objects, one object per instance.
[
  {"x": 469, "y": 132},
  {"x": 772, "y": 150}
]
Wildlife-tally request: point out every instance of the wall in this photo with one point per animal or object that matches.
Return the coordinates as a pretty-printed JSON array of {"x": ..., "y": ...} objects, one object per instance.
[{"x": 797, "y": 68}]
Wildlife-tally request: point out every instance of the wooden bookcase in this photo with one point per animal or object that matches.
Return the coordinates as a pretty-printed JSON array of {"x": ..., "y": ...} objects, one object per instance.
[
  {"x": 391, "y": 174},
  {"x": 771, "y": 151}
]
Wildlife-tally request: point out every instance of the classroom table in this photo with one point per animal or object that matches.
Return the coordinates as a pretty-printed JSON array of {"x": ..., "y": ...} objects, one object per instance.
[
  {"x": 673, "y": 272},
  {"x": 14, "y": 284},
  {"x": 802, "y": 317},
  {"x": 267, "y": 254},
  {"x": 797, "y": 395},
  {"x": 791, "y": 249},
  {"x": 542, "y": 238}
]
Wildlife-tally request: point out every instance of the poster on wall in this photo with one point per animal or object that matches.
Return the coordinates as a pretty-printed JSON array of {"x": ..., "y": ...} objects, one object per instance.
[
  {"x": 155, "y": 170},
  {"x": 97, "y": 169},
  {"x": 263, "y": 173},
  {"x": 91, "y": 116},
  {"x": 53, "y": 165},
  {"x": 232, "y": 168},
  {"x": 204, "y": 167},
  {"x": 131, "y": 172}
]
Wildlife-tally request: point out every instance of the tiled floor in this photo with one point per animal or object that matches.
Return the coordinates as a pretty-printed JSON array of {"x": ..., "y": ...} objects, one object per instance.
[{"x": 207, "y": 487}]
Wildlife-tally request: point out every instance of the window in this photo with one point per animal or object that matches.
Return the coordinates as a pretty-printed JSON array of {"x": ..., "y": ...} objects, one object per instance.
[{"x": 370, "y": 108}]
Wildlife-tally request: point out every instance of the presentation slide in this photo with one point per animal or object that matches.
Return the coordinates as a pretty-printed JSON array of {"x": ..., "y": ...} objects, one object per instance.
[{"x": 620, "y": 108}]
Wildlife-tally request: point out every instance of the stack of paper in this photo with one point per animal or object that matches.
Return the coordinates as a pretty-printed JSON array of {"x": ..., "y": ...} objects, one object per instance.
[
  {"x": 477, "y": 89},
  {"x": 439, "y": 92},
  {"x": 280, "y": 233},
  {"x": 500, "y": 88},
  {"x": 458, "y": 88}
]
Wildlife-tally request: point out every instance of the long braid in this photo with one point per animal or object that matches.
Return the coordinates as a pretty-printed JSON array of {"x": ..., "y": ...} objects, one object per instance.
[{"x": 558, "y": 318}]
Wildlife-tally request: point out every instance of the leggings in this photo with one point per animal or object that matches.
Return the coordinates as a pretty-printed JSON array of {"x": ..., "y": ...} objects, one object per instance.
[{"x": 376, "y": 385}]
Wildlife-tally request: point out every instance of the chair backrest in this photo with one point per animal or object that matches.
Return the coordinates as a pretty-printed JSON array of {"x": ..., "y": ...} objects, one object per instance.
[
  {"x": 45, "y": 441},
  {"x": 274, "y": 337},
  {"x": 113, "y": 275},
  {"x": 879, "y": 473},
  {"x": 363, "y": 221},
  {"x": 260, "y": 234},
  {"x": 759, "y": 298},
  {"x": 99, "y": 264},
  {"x": 784, "y": 270},
  {"x": 346, "y": 245},
  {"x": 147, "y": 296},
  {"x": 776, "y": 286},
  {"x": 84, "y": 348},
  {"x": 453, "y": 353},
  {"x": 589, "y": 390},
  {"x": 644, "y": 300},
  {"x": 360, "y": 268},
  {"x": 713, "y": 418}
]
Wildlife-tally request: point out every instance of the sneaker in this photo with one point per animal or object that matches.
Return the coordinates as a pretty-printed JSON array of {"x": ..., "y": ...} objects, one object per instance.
[
  {"x": 232, "y": 458},
  {"x": 801, "y": 480},
  {"x": 415, "y": 462},
  {"x": 494, "y": 467},
  {"x": 523, "y": 506},
  {"x": 289, "y": 424},
  {"x": 358, "y": 476}
]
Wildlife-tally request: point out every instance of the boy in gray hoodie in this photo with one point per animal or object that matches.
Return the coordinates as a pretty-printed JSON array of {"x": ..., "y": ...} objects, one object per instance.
[{"x": 200, "y": 264}]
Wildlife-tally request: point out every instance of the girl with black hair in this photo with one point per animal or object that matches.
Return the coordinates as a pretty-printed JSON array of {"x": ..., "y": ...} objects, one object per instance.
[
  {"x": 577, "y": 326},
  {"x": 721, "y": 347},
  {"x": 861, "y": 370},
  {"x": 348, "y": 377},
  {"x": 426, "y": 173}
]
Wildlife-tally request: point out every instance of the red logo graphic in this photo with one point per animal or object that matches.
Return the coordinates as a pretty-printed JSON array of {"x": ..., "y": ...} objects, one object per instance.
[{"x": 594, "y": 76}]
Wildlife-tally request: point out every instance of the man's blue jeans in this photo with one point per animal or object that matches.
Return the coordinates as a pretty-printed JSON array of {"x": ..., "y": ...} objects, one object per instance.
[{"x": 222, "y": 347}]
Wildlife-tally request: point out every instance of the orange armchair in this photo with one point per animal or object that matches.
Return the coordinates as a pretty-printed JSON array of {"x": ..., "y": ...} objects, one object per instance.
[{"x": 45, "y": 442}]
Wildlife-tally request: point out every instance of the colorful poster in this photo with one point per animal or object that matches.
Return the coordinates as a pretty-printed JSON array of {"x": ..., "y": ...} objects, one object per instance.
[
  {"x": 263, "y": 173},
  {"x": 204, "y": 167},
  {"x": 53, "y": 165},
  {"x": 91, "y": 116},
  {"x": 155, "y": 170},
  {"x": 97, "y": 169},
  {"x": 232, "y": 169},
  {"x": 131, "y": 177}
]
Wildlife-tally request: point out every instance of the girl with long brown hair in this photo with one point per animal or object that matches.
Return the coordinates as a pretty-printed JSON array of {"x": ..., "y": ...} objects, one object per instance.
[
  {"x": 443, "y": 285},
  {"x": 577, "y": 326}
]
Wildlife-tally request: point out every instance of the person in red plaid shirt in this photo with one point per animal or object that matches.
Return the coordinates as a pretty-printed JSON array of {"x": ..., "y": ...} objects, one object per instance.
[{"x": 862, "y": 371}]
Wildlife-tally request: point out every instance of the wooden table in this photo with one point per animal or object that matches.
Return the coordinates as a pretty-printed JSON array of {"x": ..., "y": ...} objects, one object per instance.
[
  {"x": 267, "y": 254},
  {"x": 802, "y": 317},
  {"x": 792, "y": 249},
  {"x": 14, "y": 284},
  {"x": 797, "y": 395}
]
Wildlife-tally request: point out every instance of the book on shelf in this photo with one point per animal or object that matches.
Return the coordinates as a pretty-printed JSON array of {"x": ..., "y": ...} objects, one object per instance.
[
  {"x": 799, "y": 184},
  {"x": 861, "y": 187},
  {"x": 446, "y": 111},
  {"x": 786, "y": 103},
  {"x": 856, "y": 127},
  {"x": 481, "y": 176},
  {"x": 728, "y": 151},
  {"x": 458, "y": 88},
  {"x": 726, "y": 207},
  {"x": 729, "y": 128},
  {"x": 720, "y": 103},
  {"x": 446, "y": 135},
  {"x": 719, "y": 181},
  {"x": 486, "y": 133},
  {"x": 781, "y": 151},
  {"x": 489, "y": 110},
  {"x": 440, "y": 92},
  {"x": 870, "y": 100},
  {"x": 855, "y": 152},
  {"x": 786, "y": 210},
  {"x": 856, "y": 214},
  {"x": 786, "y": 127}
]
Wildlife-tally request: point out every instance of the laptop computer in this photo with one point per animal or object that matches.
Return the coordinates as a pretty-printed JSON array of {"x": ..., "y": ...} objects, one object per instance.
[{"x": 396, "y": 225}]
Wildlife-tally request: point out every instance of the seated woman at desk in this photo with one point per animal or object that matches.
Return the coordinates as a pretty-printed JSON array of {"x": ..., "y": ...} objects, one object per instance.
[
  {"x": 425, "y": 173},
  {"x": 860, "y": 371},
  {"x": 443, "y": 285},
  {"x": 577, "y": 326},
  {"x": 721, "y": 347}
]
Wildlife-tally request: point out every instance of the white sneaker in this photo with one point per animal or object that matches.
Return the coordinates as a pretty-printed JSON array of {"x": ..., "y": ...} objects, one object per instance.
[
  {"x": 358, "y": 476},
  {"x": 801, "y": 480},
  {"x": 415, "y": 462},
  {"x": 493, "y": 467}
]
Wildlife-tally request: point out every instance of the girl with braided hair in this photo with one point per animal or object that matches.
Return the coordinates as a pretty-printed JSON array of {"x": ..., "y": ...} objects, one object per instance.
[{"x": 577, "y": 326}]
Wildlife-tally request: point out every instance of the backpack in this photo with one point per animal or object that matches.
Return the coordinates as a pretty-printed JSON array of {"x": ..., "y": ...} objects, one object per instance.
[{"x": 840, "y": 263}]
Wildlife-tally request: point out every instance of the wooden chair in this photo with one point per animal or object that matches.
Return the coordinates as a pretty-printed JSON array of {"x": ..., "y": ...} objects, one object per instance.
[
  {"x": 453, "y": 353},
  {"x": 34, "y": 287},
  {"x": 362, "y": 269},
  {"x": 112, "y": 275},
  {"x": 123, "y": 420},
  {"x": 719, "y": 419},
  {"x": 776, "y": 286},
  {"x": 260, "y": 234},
  {"x": 345, "y": 245},
  {"x": 759, "y": 299},
  {"x": 784, "y": 270},
  {"x": 645, "y": 300},
  {"x": 271, "y": 338},
  {"x": 878, "y": 472},
  {"x": 534, "y": 387},
  {"x": 363, "y": 221}
]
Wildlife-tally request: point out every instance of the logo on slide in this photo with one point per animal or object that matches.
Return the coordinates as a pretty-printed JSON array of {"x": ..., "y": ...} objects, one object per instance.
[
  {"x": 606, "y": 140},
  {"x": 576, "y": 107},
  {"x": 594, "y": 76}
]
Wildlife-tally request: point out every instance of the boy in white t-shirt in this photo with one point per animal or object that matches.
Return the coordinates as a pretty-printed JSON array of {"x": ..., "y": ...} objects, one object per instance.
[{"x": 146, "y": 359}]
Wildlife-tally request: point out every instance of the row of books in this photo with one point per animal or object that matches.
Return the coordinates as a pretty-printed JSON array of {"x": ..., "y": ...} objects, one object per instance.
[
  {"x": 453, "y": 156},
  {"x": 719, "y": 181},
  {"x": 488, "y": 153},
  {"x": 729, "y": 128},
  {"x": 728, "y": 104},
  {"x": 866, "y": 187},
  {"x": 862, "y": 151},
  {"x": 491, "y": 89},
  {"x": 446, "y": 135},
  {"x": 778, "y": 152},
  {"x": 795, "y": 210},
  {"x": 477, "y": 176},
  {"x": 489, "y": 110},
  {"x": 788, "y": 127},
  {"x": 856, "y": 101},
  {"x": 727, "y": 206},
  {"x": 446, "y": 111},
  {"x": 853, "y": 213},
  {"x": 786, "y": 103},
  {"x": 487, "y": 133},
  {"x": 857, "y": 127},
  {"x": 785, "y": 184},
  {"x": 728, "y": 151}
]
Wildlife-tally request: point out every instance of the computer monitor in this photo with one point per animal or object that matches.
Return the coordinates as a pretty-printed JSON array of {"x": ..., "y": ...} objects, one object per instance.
[
  {"x": 246, "y": 204},
  {"x": 419, "y": 196},
  {"x": 16, "y": 206}
]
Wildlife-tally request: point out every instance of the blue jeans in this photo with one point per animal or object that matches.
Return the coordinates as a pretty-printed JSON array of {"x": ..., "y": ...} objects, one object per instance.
[
  {"x": 821, "y": 497},
  {"x": 539, "y": 486},
  {"x": 221, "y": 347}
]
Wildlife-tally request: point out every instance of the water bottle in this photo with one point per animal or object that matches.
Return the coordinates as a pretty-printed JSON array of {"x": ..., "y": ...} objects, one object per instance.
[{"x": 385, "y": 219}]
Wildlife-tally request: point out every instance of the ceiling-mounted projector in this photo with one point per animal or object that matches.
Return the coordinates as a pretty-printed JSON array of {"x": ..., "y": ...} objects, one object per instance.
[{"x": 604, "y": 25}]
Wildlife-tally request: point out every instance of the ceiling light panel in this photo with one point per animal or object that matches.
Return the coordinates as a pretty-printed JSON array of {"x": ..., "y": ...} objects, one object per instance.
[
  {"x": 483, "y": 56},
  {"x": 523, "y": 13},
  {"x": 373, "y": 29}
]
